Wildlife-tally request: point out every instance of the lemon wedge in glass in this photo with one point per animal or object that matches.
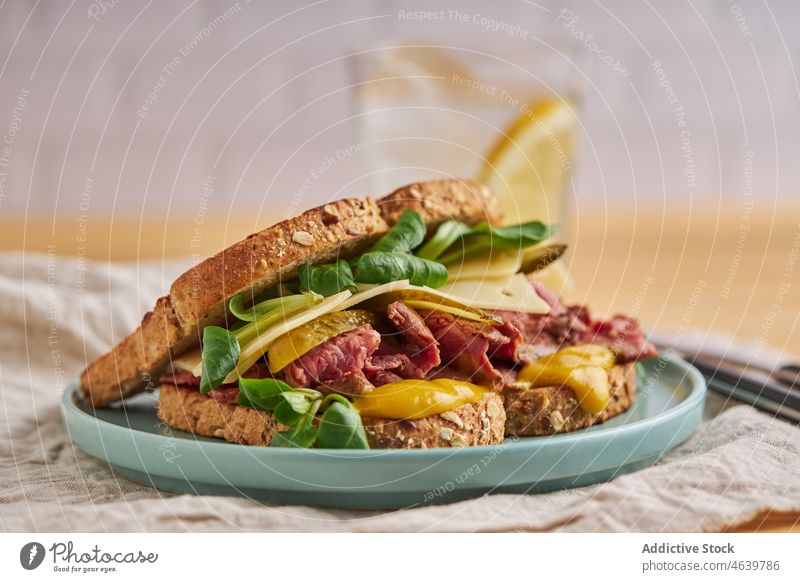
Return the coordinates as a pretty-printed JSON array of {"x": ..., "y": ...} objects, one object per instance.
[{"x": 529, "y": 166}]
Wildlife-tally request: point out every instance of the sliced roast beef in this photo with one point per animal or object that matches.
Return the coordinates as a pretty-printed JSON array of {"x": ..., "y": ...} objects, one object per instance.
[
  {"x": 556, "y": 308},
  {"x": 226, "y": 394},
  {"x": 351, "y": 384},
  {"x": 624, "y": 336},
  {"x": 547, "y": 333},
  {"x": 335, "y": 360},
  {"x": 389, "y": 364},
  {"x": 516, "y": 350},
  {"x": 467, "y": 345},
  {"x": 185, "y": 378},
  {"x": 412, "y": 353},
  {"x": 417, "y": 340},
  {"x": 180, "y": 378},
  {"x": 380, "y": 376}
]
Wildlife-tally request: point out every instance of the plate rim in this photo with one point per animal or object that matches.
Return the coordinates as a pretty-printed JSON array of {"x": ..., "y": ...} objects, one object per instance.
[{"x": 697, "y": 392}]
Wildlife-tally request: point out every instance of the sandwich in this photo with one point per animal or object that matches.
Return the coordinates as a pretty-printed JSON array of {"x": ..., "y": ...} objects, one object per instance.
[{"x": 414, "y": 321}]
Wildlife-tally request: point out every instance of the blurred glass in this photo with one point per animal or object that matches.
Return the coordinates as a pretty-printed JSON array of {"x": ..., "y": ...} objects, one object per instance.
[{"x": 507, "y": 119}]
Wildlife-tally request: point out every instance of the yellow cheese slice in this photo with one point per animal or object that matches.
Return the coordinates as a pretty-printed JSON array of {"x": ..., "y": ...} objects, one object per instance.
[
  {"x": 500, "y": 264},
  {"x": 556, "y": 279},
  {"x": 367, "y": 292},
  {"x": 512, "y": 294},
  {"x": 188, "y": 361}
]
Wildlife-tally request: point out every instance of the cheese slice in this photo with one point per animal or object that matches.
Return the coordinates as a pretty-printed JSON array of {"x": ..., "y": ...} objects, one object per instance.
[
  {"x": 371, "y": 291},
  {"x": 513, "y": 294},
  {"x": 556, "y": 278},
  {"x": 501, "y": 264},
  {"x": 188, "y": 361}
]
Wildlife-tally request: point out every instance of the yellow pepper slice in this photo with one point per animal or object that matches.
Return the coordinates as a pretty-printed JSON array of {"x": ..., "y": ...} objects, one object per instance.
[
  {"x": 581, "y": 356},
  {"x": 581, "y": 368},
  {"x": 417, "y": 398}
]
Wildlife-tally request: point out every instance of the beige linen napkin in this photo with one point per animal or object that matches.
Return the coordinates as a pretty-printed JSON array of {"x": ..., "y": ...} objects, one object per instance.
[{"x": 57, "y": 313}]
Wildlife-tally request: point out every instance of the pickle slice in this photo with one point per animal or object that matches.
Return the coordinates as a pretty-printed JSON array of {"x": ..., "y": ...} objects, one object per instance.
[
  {"x": 457, "y": 311},
  {"x": 301, "y": 340}
]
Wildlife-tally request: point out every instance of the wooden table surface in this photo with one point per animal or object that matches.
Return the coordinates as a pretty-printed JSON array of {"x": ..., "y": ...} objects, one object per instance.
[{"x": 734, "y": 270}]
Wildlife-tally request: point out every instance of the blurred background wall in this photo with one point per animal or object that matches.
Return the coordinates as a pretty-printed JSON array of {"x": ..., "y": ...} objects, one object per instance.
[{"x": 171, "y": 109}]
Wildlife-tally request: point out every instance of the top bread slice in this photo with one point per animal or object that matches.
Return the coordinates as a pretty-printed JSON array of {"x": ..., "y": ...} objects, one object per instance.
[{"x": 199, "y": 297}]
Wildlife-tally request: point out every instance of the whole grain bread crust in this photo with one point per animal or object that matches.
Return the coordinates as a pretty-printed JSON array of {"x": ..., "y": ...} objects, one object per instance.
[
  {"x": 554, "y": 409},
  {"x": 473, "y": 424},
  {"x": 188, "y": 410},
  {"x": 439, "y": 200},
  {"x": 479, "y": 423},
  {"x": 198, "y": 297}
]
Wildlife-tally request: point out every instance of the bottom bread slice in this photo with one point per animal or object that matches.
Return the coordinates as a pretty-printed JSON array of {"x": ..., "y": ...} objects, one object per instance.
[
  {"x": 477, "y": 423},
  {"x": 554, "y": 409},
  {"x": 187, "y": 409},
  {"x": 469, "y": 425}
]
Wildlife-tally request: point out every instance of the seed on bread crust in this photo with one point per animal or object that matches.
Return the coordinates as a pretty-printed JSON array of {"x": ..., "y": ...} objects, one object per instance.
[{"x": 303, "y": 238}]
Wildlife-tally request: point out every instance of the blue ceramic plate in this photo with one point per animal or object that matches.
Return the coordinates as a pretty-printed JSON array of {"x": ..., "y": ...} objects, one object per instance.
[{"x": 130, "y": 438}]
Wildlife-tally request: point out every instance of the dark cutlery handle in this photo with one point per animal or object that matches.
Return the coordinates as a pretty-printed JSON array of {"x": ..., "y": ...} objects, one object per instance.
[
  {"x": 789, "y": 375},
  {"x": 753, "y": 399},
  {"x": 771, "y": 390}
]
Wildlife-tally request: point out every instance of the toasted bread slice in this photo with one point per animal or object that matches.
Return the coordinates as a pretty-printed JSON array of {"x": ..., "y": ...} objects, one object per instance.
[
  {"x": 186, "y": 409},
  {"x": 479, "y": 423},
  {"x": 440, "y": 200},
  {"x": 198, "y": 297},
  {"x": 554, "y": 409}
]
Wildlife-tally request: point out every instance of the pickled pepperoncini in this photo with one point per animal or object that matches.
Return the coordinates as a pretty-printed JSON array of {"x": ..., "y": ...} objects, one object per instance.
[
  {"x": 413, "y": 399},
  {"x": 582, "y": 368},
  {"x": 301, "y": 340}
]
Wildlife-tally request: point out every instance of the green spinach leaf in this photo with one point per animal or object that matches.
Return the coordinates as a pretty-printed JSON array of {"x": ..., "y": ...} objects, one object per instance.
[
  {"x": 380, "y": 267},
  {"x": 341, "y": 428},
  {"x": 447, "y": 234},
  {"x": 327, "y": 279},
  {"x": 406, "y": 235},
  {"x": 295, "y": 405},
  {"x": 220, "y": 356},
  {"x": 301, "y": 433},
  {"x": 517, "y": 236},
  {"x": 262, "y": 393},
  {"x": 484, "y": 236},
  {"x": 300, "y": 436}
]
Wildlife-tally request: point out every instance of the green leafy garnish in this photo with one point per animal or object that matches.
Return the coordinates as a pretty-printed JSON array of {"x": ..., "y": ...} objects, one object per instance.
[
  {"x": 262, "y": 393},
  {"x": 267, "y": 313},
  {"x": 389, "y": 259},
  {"x": 406, "y": 235},
  {"x": 484, "y": 236},
  {"x": 302, "y": 435},
  {"x": 237, "y": 308},
  {"x": 339, "y": 427},
  {"x": 447, "y": 233},
  {"x": 518, "y": 236},
  {"x": 220, "y": 356},
  {"x": 379, "y": 267},
  {"x": 327, "y": 280}
]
